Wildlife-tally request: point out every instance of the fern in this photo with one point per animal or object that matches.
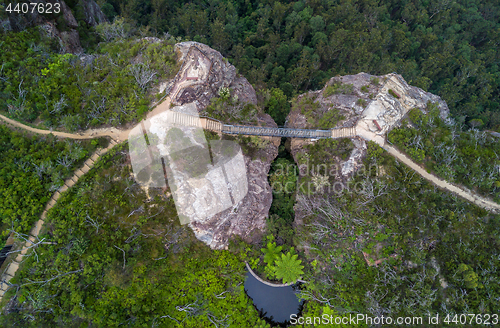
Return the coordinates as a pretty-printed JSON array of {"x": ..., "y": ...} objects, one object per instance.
[
  {"x": 271, "y": 253},
  {"x": 289, "y": 268}
]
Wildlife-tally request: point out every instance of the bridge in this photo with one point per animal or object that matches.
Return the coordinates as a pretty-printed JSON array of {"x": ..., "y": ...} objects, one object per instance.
[
  {"x": 182, "y": 119},
  {"x": 275, "y": 132}
]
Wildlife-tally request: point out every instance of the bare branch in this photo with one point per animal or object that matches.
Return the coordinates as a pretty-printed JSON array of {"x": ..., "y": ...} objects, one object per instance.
[
  {"x": 123, "y": 255},
  {"x": 143, "y": 74},
  {"x": 51, "y": 279},
  {"x": 93, "y": 222}
]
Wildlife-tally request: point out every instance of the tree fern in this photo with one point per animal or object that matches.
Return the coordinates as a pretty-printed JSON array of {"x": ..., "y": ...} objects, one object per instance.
[
  {"x": 271, "y": 253},
  {"x": 289, "y": 268}
]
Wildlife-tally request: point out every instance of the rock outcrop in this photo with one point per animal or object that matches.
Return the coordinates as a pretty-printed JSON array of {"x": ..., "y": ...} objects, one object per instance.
[
  {"x": 247, "y": 219},
  {"x": 62, "y": 26},
  {"x": 93, "y": 13},
  {"x": 375, "y": 104},
  {"x": 202, "y": 74}
]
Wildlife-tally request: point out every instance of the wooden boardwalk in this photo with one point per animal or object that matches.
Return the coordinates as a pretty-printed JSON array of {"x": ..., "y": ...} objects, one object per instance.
[
  {"x": 13, "y": 266},
  {"x": 270, "y": 284}
]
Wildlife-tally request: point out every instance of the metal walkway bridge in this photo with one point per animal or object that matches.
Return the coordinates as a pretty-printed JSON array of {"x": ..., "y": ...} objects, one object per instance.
[
  {"x": 211, "y": 124},
  {"x": 275, "y": 132}
]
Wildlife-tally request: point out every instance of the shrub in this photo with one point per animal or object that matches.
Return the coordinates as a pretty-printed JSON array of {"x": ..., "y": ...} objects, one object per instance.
[
  {"x": 361, "y": 102},
  {"x": 375, "y": 80},
  {"x": 289, "y": 268},
  {"x": 338, "y": 87},
  {"x": 394, "y": 94},
  {"x": 278, "y": 106},
  {"x": 329, "y": 119},
  {"x": 119, "y": 29},
  {"x": 364, "y": 88}
]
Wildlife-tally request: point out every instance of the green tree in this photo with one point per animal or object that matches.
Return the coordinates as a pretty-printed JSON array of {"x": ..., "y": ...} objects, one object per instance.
[
  {"x": 469, "y": 276},
  {"x": 278, "y": 106},
  {"x": 271, "y": 252},
  {"x": 289, "y": 268},
  {"x": 220, "y": 38},
  {"x": 317, "y": 23}
]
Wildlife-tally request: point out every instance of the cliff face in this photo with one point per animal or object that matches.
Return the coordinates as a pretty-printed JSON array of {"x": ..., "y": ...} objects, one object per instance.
[
  {"x": 248, "y": 218},
  {"x": 202, "y": 74},
  {"x": 212, "y": 72},
  {"x": 62, "y": 26},
  {"x": 371, "y": 103}
]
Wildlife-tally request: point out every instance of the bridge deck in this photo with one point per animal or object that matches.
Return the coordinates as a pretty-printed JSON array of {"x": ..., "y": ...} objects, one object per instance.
[
  {"x": 275, "y": 132},
  {"x": 216, "y": 126}
]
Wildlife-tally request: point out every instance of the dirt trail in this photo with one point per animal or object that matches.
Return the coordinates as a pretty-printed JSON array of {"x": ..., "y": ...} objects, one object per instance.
[
  {"x": 360, "y": 130},
  {"x": 113, "y": 133},
  {"x": 121, "y": 135},
  {"x": 13, "y": 266},
  {"x": 460, "y": 191}
]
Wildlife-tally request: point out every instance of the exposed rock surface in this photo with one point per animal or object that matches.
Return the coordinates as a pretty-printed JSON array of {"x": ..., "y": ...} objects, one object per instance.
[
  {"x": 202, "y": 74},
  {"x": 68, "y": 35},
  {"x": 93, "y": 13},
  {"x": 204, "y": 71},
  {"x": 372, "y": 103},
  {"x": 246, "y": 220}
]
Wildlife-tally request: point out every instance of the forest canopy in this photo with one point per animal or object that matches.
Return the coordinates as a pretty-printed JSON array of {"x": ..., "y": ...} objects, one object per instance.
[
  {"x": 111, "y": 86},
  {"x": 450, "y": 48}
]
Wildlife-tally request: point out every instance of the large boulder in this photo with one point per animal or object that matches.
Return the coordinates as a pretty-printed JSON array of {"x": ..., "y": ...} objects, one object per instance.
[
  {"x": 375, "y": 104},
  {"x": 213, "y": 72},
  {"x": 66, "y": 33},
  {"x": 203, "y": 73}
]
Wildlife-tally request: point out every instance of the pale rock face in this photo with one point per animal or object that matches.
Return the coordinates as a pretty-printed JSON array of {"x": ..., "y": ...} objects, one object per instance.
[
  {"x": 247, "y": 219},
  {"x": 70, "y": 39},
  {"x": 204, "y": 181},
  {"x": 232, "y": 195},
  {"x": 382, "y": 107},
  {"x": 355, "y": 159},
  {"x": 388, "y": 110},
  {"x": 93, "y": 13},
  {"x": 204, "y": 71},
  {"x": 218, "y": 192}
]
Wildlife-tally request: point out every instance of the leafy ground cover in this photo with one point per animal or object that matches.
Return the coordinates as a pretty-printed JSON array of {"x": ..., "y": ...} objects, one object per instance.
[
  {"x": 31, "y": 170},
  {"x": 395, "y": 244},
  {"x": 467, "y": 157},
  {"x": 110, "y": 86},
  {"x": 120, "y": 258}
]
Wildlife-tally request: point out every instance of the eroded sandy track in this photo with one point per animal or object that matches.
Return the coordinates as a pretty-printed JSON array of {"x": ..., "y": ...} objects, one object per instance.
[
  {"x": 364, "y": 129},
  {"x": 13, "y": 266}
]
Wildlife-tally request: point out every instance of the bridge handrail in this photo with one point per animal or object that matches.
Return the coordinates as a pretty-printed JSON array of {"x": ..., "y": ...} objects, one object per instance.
[
  {"x": 307, "y": 133},
  {"x": 209, "y": 118}
]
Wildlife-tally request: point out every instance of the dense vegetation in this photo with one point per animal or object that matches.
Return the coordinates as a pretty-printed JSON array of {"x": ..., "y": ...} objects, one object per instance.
[
  {"x": 449, "y": 48},
  {"x": 317, "y": 116},
  {"x": 286, "y": 267},
  {"x": 120, "y": 258},
  {"x": 229, "y": 109},
  {"x": 31, "y": 170},
  {"x": 385, "y": 243},
  {"x": 111, "y": 86},
  {"x": 470, "y": 158},
  {"x": 429, "y": 251},
  {"x": 283, "y": 181}
]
